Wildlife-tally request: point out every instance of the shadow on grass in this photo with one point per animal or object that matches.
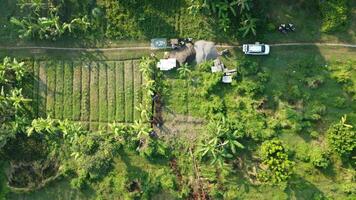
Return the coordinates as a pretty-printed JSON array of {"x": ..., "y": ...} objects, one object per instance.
[{"x": 299, "y": 188}]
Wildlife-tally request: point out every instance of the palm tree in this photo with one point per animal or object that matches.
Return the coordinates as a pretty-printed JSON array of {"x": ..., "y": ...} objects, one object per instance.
[{"x": 248, "y": 26}]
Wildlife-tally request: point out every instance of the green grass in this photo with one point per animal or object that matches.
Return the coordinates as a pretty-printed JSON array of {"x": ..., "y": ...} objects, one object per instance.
[
  {"x": 68, "y": 90},
  {"x": 42, "y": 89},
  {"x": 77, "y": 88},
  {"x": 103, "y": 91},
  {"x": 35, "y": 96},
  {"x": 137, "y": 88},
  {"x": 284, "y": 73},
  {"x": 51, "y": 88},
  {"x": 85, "y": 101},
  {"x": 111, "y": 90},
  {"x": 94, "y": 94},
  {"x": 120, "y": 92},
  {"x": 59, "y": 90},
  {"x": 87, "y": 91},
  {"x": 129, "y": 109}
]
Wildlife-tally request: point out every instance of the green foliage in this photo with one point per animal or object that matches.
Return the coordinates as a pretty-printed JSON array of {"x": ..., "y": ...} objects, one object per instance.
[
  {"x": 227, "y": 11},
  {"x": 221, "y": 142},
  {"x": 342, "y": 138},
  {"x": 45, "y": 23},
  {"x": 334, "y": 14},
  {"x": 209, "y": 83},
  {"x": 278, "y": 166},
  {"x": 13, "y": 113},
  {"x": 320, "y": 158}
]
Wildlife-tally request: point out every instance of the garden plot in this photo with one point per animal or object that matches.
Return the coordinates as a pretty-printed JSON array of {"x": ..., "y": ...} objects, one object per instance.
[{"x": 93, "y": 93}]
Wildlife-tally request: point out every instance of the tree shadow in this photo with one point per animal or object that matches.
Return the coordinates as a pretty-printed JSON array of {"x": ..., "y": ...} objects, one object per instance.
[{"x": 300, "y": 188}]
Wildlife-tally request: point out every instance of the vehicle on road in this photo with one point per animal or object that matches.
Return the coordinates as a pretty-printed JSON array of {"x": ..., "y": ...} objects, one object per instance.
[{"x": 256, "y": 49}]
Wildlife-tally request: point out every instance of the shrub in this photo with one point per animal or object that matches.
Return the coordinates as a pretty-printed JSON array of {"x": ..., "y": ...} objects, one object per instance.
[
  {"x": 214, "y": 106},
  {"x": 334, "y": 14},
  {"x": 209, "y": 83},
  {"x": 339, "y": 102},
  {"x": 275, "y": 156},
  {"x": 314, "y": 111},
  {"x": 315, "y": 82},
  {"x": 319, "y": 158},
  {"x": 342, "y": 138}
]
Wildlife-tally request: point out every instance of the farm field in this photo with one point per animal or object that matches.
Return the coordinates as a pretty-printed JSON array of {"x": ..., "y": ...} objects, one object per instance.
[
  {"x": 94, "y": 93},
  {"x": 86, "y": 113}
]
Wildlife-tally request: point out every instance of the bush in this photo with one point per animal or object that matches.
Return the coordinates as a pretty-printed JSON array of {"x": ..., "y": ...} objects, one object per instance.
[
  {"x": 334, "y": 14},
  {"x": 314, "y": 111},
  {"x": 319, "y": 158},
  {"x": 342, "y": 138},
  {"x": 339, "y": 102},
  {"x": 275, "y": 156}
]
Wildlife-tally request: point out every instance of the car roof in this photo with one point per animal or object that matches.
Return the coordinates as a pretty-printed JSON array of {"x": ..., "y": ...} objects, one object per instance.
[{"x": 255, "y": 48}]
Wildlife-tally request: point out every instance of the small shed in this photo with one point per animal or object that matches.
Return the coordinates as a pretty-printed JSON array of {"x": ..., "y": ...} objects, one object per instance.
[
  {"x": 159, "y": 43},
  {"x": 167, "y": 64}
]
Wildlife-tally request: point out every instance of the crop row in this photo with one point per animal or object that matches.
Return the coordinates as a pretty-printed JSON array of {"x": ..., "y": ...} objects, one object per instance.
[{"x": 94, "y": 93}]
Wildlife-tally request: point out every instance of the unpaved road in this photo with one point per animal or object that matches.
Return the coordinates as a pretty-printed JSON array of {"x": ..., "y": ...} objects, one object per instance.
[{"x": 148, "y": 47}]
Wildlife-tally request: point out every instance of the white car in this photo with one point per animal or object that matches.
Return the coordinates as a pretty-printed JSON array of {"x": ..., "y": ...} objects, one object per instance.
[{"x": 256, "y": 49}]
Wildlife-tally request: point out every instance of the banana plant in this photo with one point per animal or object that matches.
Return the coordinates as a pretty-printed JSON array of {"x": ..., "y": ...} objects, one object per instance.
[
  {"x": 248, "y": 25},
  {"x": 17, "y": 98},
  {"x": 184, "y": 71},
  {"x": 142, "y": 129},
  {"x": 244, "y": 5}
]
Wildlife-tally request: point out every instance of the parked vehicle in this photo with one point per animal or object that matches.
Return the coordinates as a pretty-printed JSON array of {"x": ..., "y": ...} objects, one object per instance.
[{"x": 256, "y": 49}]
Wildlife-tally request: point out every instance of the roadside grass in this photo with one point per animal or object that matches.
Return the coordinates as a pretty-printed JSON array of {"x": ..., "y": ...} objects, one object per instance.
[{"x": 307, "y": 19}]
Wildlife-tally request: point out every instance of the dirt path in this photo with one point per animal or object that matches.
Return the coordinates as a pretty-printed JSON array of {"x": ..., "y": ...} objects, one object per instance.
[
  {"x": 148, "y": 47},
  {"x": 297, "y": 44}
]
